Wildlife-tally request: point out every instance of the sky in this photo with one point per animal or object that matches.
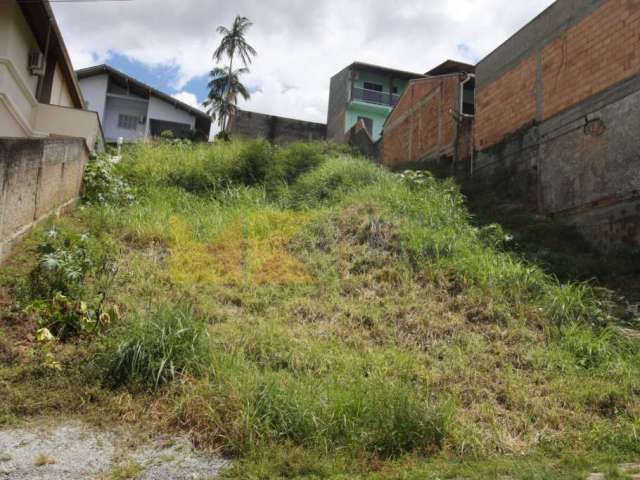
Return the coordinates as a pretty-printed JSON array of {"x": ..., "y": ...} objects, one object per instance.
[{"x": 301, "y": 43}]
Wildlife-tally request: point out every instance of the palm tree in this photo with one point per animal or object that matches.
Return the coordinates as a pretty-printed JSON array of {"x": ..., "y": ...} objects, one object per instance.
[
  {"x": 225, "y": 84},
  {"x": 224, "y": 89}
]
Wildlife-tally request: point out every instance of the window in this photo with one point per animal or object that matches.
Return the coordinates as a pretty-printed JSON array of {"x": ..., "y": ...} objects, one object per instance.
[
  {"x": 394, "y": 90},
  {"x": 127, "y": 122},
  {"x": 376, "y": 87},
  {"x": 368, "y": 123}
]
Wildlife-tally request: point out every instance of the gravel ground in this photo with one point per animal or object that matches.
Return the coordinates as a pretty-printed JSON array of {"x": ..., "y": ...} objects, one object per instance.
[{"x": 74, "y": 450}]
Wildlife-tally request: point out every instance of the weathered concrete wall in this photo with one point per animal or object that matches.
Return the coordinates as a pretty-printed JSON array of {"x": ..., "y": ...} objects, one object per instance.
[
  {"x": 339, "y": 88},
  {"x": 278, "y": 130},
  {"x": 558, "y": 118},
  {"x": 422, "y": 128},
  {"x": 38, "y": 177}
]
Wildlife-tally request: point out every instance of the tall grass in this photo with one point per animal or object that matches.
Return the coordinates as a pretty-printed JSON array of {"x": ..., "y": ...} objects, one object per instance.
[
  {"x": 167, "y": 344},
  {"x": 352, "y": 313}
]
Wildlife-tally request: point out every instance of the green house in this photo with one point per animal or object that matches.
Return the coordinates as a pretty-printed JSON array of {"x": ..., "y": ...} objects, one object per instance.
[{"x": 364, "y": 92}]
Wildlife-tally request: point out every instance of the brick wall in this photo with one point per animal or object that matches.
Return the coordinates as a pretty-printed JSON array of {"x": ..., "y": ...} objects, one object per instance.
[
  {"x": 38, "y": 177},
  {"x": 506, "y": 104},
  {"x": 602, "y": 50},
  {"x": 278, "y": 130},
  {"x": 565, "y": 66},
  {"x": 421, "y": 127},
  {"x": 558, "y": 116}
]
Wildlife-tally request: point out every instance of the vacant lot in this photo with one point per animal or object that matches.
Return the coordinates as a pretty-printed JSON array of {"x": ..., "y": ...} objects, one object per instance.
[{"x": 313, "y": 316}]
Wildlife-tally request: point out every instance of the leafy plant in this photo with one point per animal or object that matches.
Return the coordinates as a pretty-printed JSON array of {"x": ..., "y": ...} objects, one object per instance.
[
  {"x": 102, "y": 185},
  {"x": 63, "y": 263},
  {"x": 65, "y": 318}
]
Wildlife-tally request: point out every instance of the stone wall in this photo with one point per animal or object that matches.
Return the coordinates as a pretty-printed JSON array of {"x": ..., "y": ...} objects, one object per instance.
[
  {"x": 278, "y": 130},
  {"x": 558, "y": 119},
  {"x": 38, "y": 177}
]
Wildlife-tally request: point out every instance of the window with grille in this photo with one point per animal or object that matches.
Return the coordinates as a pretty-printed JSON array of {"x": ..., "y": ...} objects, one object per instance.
[{"x": 127, "y": 122}]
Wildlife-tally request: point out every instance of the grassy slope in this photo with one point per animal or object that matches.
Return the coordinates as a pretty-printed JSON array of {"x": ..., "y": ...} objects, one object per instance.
[{"x": 358, "y": 326}]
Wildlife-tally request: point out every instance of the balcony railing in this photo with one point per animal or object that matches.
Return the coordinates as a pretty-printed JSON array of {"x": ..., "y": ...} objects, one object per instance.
[{"x": 374, "y": 96}]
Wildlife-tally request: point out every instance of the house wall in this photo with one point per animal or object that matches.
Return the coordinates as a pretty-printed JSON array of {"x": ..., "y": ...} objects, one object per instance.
[
  {"x": 343, "y": 112},
  {"x": 421, "y": 128},
  {"x": 339, "y": 89},
  {"x": 161, "y": 110},
  {"x": 38, "y": 177},
  {"x": 60, "y": 94},
  {"x": 278, "y": 130},
  {"x": 377, "y": 113},
  {"x": 116, "y": 106},
  {"x": 17, "y": 85},
  {"x": 556, "y": 118},
  {"x": 94, "y": 91},
  {"x": 20, "y": 111}
]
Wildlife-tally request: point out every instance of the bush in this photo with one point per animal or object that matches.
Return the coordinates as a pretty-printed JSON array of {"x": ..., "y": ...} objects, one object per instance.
[
  {"x": 58, "y": 285},
  {"x": 255, "y": 161},
  {"x": 63, "y": 263},
  {"x": 102, "y": 185},
  {"x": 293, "y": 160},
  {"x": 158, "y": 348},
  {"x": 333, "y": 180}
]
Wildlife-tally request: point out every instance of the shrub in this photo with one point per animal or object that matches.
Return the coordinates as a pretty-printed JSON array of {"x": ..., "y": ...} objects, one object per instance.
[
  {"x": 102, "y": 185},
  {"x": 65, "y": 318},
  {"x": 255, "y": 161},
  {"x": 63, "y": 262},
  {"x": 158, "y": 348},
  {"x": 332, "y": 180},
  {"x": 294, "y": 160}
]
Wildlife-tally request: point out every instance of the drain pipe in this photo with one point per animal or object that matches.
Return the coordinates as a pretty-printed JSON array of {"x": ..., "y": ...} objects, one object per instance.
[{"x": 468, "y": 78}]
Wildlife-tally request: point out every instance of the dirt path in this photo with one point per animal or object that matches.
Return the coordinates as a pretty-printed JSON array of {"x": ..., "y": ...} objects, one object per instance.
[{"x": 74, "y": 450}]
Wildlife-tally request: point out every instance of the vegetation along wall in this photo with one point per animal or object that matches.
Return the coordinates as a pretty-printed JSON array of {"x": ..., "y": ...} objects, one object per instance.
[
  {"x": 38, "y": 177},
  {"x": 558, "y": 116}
]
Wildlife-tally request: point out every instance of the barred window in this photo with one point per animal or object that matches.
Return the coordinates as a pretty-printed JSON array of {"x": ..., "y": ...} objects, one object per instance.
[{"x": 127, "y": 122}]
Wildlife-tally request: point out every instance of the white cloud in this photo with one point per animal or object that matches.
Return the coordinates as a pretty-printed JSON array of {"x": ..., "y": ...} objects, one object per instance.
[
  {"x": 300, "y": 44},
  {"x": 188, "y": 98}
]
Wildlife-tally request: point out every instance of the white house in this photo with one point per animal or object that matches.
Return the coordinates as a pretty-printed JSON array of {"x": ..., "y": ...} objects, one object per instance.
[
  {"x": 39, "y": 93},
  {"x": 133, "y": 110}
]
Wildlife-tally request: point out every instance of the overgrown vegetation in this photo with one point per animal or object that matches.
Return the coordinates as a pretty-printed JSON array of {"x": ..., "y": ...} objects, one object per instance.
[{"x": 318, "y": 317}]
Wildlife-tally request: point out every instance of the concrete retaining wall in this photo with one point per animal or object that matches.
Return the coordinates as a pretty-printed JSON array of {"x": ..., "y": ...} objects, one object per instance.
[{"x": 38, "y": 177}]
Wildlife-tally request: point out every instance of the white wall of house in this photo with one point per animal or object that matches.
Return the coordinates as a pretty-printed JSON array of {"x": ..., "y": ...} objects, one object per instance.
[
  {"x": 17, "y": 85},
  {"x": 94, "y": 91},
  {"x": 21, "y": 115},
  {"x": 116, "y": 106},
  {"x": 160, "y": 109},
  {"x": 60, "y": 94}
]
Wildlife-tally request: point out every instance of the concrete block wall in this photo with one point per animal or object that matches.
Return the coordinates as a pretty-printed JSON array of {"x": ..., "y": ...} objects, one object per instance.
[
  {"x": 38, "y": 177},
  {"x": 278, "y": 130},
  {"x": 557, "y": 123}
]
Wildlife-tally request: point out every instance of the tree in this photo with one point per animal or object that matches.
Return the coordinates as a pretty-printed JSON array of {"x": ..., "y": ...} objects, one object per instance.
[{"x": 225, "y": 85}]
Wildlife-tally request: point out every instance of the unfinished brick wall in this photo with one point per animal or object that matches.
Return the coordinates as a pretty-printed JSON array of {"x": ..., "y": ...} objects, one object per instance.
[
  {"x": 422, "y": 127},
  {"x": 600, "y": 50},
  {"x": 558, "y": 116},
  {"x": 506, "y": 104}
]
